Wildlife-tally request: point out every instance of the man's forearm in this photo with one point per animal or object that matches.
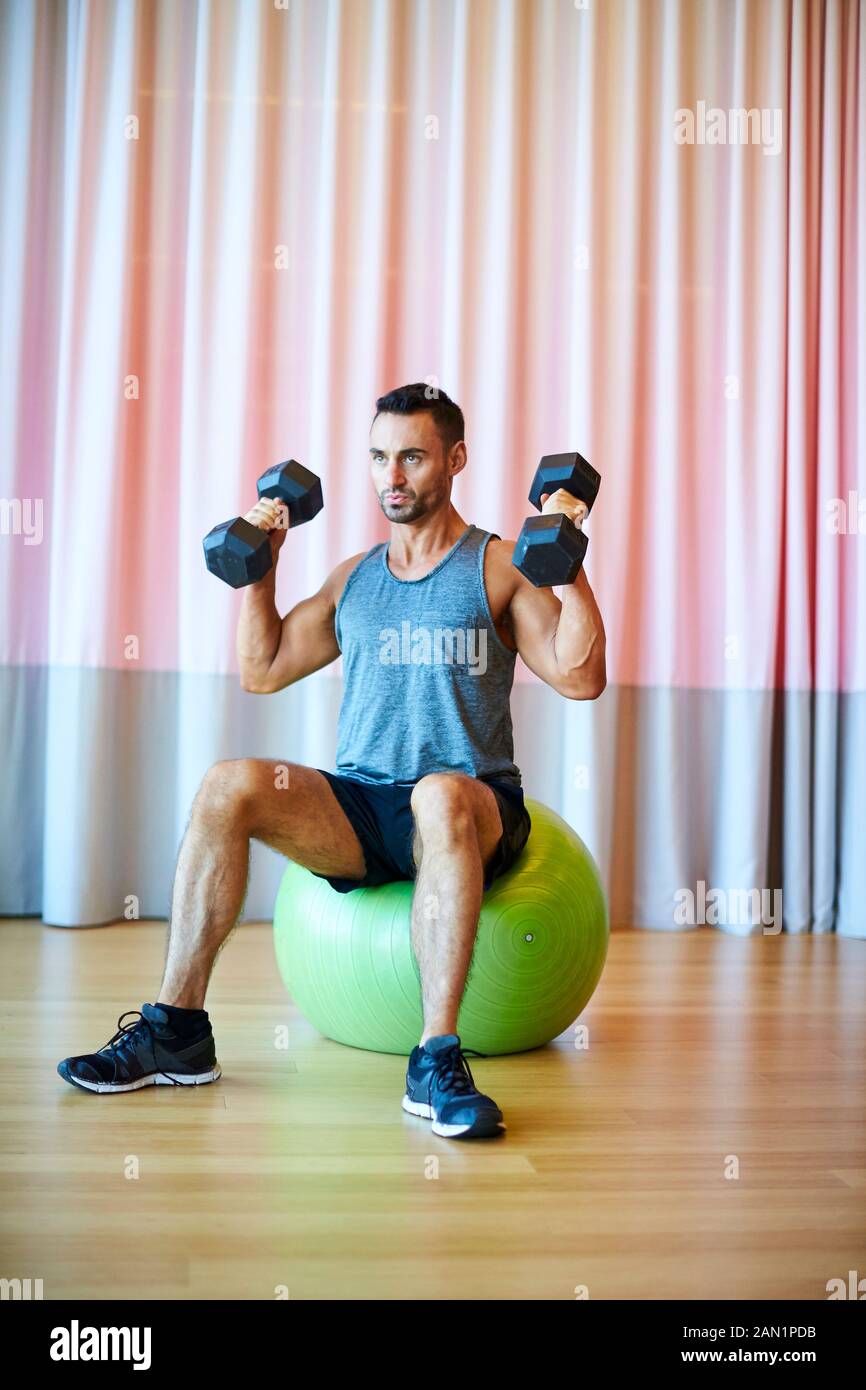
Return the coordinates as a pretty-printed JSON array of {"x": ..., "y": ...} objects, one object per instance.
[
  {"x": 259, "y": 629},
  {"x": 579, "y": 641}
]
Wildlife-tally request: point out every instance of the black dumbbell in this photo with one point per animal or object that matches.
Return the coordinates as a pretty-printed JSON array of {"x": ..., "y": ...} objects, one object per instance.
[
  {"x": 550, "y": 549},
  {"x": 239, "y": 552}
]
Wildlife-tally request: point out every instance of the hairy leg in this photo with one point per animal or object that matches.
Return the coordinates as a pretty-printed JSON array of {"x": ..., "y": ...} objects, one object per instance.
[
  {"x": 297, "y": 815},
  {"x": 457, "y": 829}
]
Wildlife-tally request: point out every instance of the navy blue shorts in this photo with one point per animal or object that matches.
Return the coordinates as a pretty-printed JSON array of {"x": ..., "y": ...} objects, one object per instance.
[{"x": 381, "y": 817}]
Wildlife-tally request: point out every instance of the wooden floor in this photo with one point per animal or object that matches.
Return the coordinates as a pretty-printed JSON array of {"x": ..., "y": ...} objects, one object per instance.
[{"x": 299, "y": 1168}]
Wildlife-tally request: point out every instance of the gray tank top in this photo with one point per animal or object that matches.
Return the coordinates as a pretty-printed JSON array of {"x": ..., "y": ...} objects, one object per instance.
[{"x": 427, "y": 679}]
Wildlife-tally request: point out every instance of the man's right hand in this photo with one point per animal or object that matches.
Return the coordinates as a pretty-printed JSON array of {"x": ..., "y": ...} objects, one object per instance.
[{"x": 273, "y": 517}]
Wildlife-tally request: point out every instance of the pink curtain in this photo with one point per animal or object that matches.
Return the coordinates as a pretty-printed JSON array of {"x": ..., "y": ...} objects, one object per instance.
[{"x": 632, "y": 227}]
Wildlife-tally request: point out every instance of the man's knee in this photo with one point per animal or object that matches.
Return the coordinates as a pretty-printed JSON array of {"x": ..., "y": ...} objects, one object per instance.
[
  {"x": 444, "y": 802},
  {"x": 229, "y": 789}
]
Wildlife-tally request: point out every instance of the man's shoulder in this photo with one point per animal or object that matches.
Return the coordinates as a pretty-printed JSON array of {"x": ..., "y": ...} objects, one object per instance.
[
  {"x": 501, "y": 580},
  {"x": 339, "y": 576},
  {"x": 498, "y": 568},
  {"x": 500, "y": 551}
]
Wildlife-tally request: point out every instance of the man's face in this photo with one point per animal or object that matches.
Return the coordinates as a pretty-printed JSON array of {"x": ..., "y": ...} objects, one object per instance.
[{"x": 409, "y": 468}]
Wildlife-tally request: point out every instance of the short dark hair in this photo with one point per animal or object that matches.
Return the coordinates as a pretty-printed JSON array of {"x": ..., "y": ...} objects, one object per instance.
[{"x": 411, "y": 400}]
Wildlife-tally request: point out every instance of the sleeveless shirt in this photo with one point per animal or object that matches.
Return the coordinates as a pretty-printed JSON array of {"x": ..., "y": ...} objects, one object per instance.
[{"x": 427, "y": 679}]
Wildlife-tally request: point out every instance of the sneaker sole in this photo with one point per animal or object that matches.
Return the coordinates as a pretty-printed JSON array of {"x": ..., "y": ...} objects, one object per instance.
[
  {"x": 200, "y": 1078},
  {"x": 483, "y": 1128}
]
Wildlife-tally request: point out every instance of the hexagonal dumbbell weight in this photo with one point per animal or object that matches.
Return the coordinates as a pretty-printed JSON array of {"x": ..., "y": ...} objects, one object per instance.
[
  {"x": 550, "y": 549},
  {"x": 240, "y": 553}
]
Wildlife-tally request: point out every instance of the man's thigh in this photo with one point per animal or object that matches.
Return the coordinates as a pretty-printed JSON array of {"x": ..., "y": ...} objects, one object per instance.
[{"x": 294, "y": 811}]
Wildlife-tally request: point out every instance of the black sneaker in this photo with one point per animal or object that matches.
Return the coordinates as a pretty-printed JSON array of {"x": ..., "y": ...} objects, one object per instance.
[
  {"x": 146, "y": 1052},
  {"x": 439, "y": 1087}
]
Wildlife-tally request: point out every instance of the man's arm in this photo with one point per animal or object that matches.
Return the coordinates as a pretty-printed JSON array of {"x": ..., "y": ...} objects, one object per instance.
[
  {"x": 274, "y": 652},
  {"x": 563, "y": 643}
]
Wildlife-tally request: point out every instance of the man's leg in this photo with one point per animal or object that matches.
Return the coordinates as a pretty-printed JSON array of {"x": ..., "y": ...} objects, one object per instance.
[
  {"x": 236, "y": 802},
  {"x": 457, "y": 829},
  {"x": 171, "y": 1042}
]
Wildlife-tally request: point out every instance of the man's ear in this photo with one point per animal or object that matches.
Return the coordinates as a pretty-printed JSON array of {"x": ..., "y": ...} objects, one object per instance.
[{"x": 457, "y": 459}]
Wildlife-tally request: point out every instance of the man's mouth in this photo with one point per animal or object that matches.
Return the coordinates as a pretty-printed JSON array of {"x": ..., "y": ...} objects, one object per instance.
[{"x": 396, "y": 497}]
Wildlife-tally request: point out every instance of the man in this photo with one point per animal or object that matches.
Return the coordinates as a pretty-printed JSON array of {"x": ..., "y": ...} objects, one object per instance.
[{"x": 426, "y": 788}]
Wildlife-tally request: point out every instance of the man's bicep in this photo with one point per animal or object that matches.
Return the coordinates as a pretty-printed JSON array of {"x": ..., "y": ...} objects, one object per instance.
[
  {"x": 534, "y": 617},
  {"x": 307, "y": 641}
]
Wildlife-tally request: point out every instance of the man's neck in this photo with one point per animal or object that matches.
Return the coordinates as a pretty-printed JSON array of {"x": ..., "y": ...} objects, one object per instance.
[{"x": 421, "y": 544}]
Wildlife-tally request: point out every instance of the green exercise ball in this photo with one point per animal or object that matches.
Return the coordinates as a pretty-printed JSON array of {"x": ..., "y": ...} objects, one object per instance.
[{"x": 347, "y": 962}]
